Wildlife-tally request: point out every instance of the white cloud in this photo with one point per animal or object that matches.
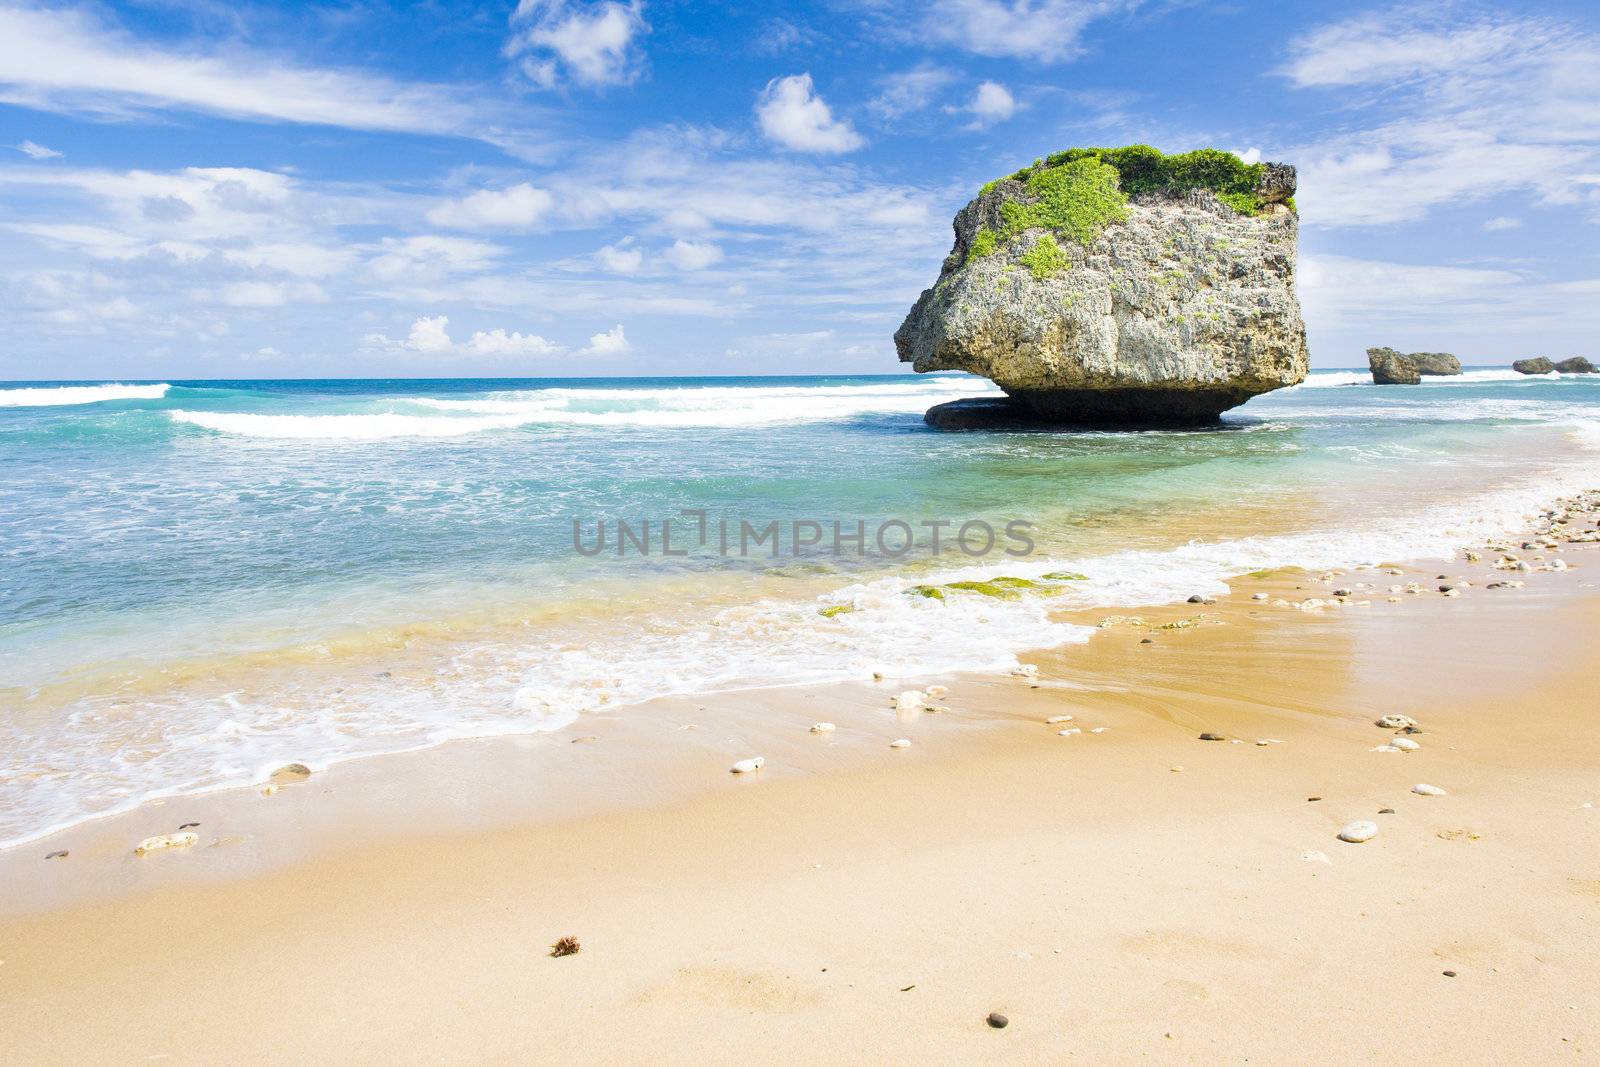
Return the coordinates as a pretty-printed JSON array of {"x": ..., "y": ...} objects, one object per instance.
[
  {"x": 268, "y": 294},
  {"x": 1045, "y": 30},
  {"x": 1457, "y": 109},
  {"x": 66, "y": 60},
  {"x": 909, "y": 91},
  {"x": 608, "y": 343},
  {"x": 624, "y": 257},
  {"x": 794, "y": 116},
  {"x": 1250, "y": 155},
  {"x": 692, "y": 255},
  {"x": 1502, "y": 222},
  {"x": 428, "y": 335},
  {"x": 991, "y": 103},
  {"x": 431, "y": 256},
  {"x": 36, "y": 151},
  {"x": 501, "y": 343},
  {"x": 592, "y": 44},
  {"x": 513, "y": 208}
]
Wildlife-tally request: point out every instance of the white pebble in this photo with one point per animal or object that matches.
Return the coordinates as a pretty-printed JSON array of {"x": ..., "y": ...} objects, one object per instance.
[
  {"x": 1099, "y": 729},
  {"x": 937, "y": 691},
  {"x": 911, "y": 700},
  {"x": 1068, "y": 732},
  {"x": 1054, "y": 719},
  {"x": 1384, "y": 748},
  {"x": 1026, "y": 670},
  {"x": 749, "y": 766},
  {"x": 823, "y": 727},
  {"x": 1405, "y": 744},
  {"x": 1258, "y": 596},
  {"x": 164, "y": 841},
  {"x": 904, "y": 742},
  {"x": 1425, "y": 790},
  {"x": 1359, "y": 831}
]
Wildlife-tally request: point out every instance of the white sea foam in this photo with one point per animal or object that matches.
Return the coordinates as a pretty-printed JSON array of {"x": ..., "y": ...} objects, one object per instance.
[
  {"x": 1326, "y": 379},
  {"x": 63, "y": 395},
  {"x": 687, "y": 407}
]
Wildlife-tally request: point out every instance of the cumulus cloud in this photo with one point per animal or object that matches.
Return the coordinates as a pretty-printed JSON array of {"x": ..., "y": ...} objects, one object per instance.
[
  {"x": 624, "y": 257},
  {"x": 67, "y": 60},
  {"x": 36, "y": 151},
  {"x": 793, "y": 115},
  {"x": 692, "y": 255},
  {"x": 609, "y": 343},
  {"x": 515, "y": 208},
  {"x": 430, "y": 335},
  {"x": 1502, "y": 222},
  {"x": 590, "y": 44},
  {"x": 991, "y": 103}
]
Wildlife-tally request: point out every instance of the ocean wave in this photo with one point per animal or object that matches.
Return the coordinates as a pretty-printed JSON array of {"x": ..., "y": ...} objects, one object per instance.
[
  {"x": 373, "y": 427},
  {"x": 1329, "y": 379},
  {"x": 64, "y": 395}
]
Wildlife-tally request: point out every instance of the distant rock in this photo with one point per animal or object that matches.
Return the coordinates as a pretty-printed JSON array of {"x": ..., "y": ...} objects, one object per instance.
[
  {"x": 1391, "y": 368},
  {"x": 1533, "y": 366},
  {"x": 1435, "y": 364},
  {"x": 1394, "y": 368},
  {"x": 1117, "y": 287},
  {"x": 1575, "y": 365}
]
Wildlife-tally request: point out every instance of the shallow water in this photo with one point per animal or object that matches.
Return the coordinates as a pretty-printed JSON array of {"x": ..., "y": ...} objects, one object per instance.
[{"x": 203, "y": 580}]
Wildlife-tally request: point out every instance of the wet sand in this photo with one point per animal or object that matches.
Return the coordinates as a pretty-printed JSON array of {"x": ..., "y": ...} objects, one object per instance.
[{"x": 1125, "y": 895}]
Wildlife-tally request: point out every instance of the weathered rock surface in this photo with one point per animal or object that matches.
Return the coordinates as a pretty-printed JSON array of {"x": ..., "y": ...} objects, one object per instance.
[
  {"x": 1533, "y": 366},
  {"x": 1176, "y": 312},
  {"x": 1394, "y": 368},
  {"x": 1391, "y": 368},
  {"x": 1575, "y": 365}
]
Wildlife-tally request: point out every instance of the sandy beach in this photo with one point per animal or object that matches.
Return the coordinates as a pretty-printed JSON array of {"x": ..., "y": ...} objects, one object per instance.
[{"x": 1121, "y": 895}]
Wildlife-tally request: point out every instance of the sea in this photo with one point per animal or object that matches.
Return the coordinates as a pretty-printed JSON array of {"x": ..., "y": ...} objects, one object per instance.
[{"x": 203, "y": 580}]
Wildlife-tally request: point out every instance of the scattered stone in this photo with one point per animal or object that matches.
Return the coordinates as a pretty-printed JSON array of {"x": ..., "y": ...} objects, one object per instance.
[
  {"x": 1384, "y": 748},
  {"x": 567, "y": 946},
  {"x": 1176, "y": 770},
  {"x": 938, "y": 709},
  {"x": 1068, "y": 732},
  {"x": 1458, "y": 833},
  {"x": 1054, "y": 719},
  {"x": 1099, "y": 729},
  {"x": 1425, "y": 790},
  {"x": 1405, "y": 744},
  {"x": 748, "y": 766},
  {"x": 161, "y": 842},
  {"x": 1026, "y": 670},
  {"x": 58, "y": 854},
  {"x": 823, "y": 727},
  {"x": 1359, "y": 831},
  {"x": 1200, "y": 598},
  {"x": 1212, "y": 737},
  {"x": 1312, "y": 800},
  {"x": 998, "y": 1021},
  {"x": 1385, "y": 811},
  {"x": 1396, "y": 722},
  {"x": 937, "y": 691},
  {"x": 1344, "y": 592},
  {"x": 1258, "y": 596},
  {"x": 270, "y": 789},
  {"x": 1539, "y": 365},
  {"x": 190, "y": 826},
  {"x": 911, "y": 700},
  {"x": 904, "y": 742},
  {"x": 1448, "y": 974},
  {"x": 290, "y": 772}
]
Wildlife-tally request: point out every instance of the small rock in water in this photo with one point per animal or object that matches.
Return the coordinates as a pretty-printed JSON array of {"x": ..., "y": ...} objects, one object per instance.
[
  {"x": 1200, "y": 598},
  {"x": 1344, "y": 592},
  {"x": 937, "y": 691},
  {"x": 270, "y": 789},
  {"x": 1423, "y": 789},
  {"x": 822, "y": 727},
  {"x": 903, "y": 742},
  {"x": 1359, "y": 831},
  {"x": 1405, "y": 744},
  {"x": 998, "y": 1021},
  {"x": 748, "y": 766},
  {"x": 1212, "y": 737},
  {"x": 1396, "y": 722},
  {"x": 166, "y": 841}
]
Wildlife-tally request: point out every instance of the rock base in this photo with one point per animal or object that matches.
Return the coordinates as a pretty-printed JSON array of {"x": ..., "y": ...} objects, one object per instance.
[{"x": 1086, "y": 409}]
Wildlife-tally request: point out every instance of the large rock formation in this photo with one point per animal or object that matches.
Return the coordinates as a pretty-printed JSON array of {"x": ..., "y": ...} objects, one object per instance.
[
  {"x": 1118, "y": 287},
  {"x": 1538, "y": 365},
  {"x": 1392, "y": 368},
  {"x": 1575, "y": 365}
]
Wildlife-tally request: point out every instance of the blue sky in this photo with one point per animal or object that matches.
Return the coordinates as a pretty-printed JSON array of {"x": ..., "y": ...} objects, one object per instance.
[{"x": 191, "y": 188}]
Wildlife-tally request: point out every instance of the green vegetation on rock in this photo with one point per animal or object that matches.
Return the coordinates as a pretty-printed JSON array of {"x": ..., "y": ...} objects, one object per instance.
[
  {"x": 837, "y": 609},
  {"x": 1045, "y": 258},
  {"x": 1065, "y": 576},
  {"x": 984, "y": 243}
]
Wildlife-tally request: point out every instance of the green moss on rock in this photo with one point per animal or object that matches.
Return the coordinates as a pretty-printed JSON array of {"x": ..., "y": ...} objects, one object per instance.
[
  {"x": 1045, "y": 258},
  {"x": 984, "y": 243},
  {"x": 837, "y": 609}
]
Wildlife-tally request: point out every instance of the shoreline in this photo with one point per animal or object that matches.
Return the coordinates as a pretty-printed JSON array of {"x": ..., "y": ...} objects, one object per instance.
[{"x": 1110, "y": 904}]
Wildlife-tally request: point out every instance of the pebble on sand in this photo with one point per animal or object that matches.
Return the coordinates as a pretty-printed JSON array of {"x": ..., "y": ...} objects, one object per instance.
[
  {"x": 1359, "y": 831},
  {"x": 748, "y": 766},
  {"x": 165, "y": 841},
  {"x": 1396, "y": 722},
  {"x": 822, "y": 727},
  {"x": 290, "y": 772},
  {"x": 998, "y": 1021},
  {"x": 1405, "y": 744},
  {"x": 1054, "y": 719},
  {"x": 1212, "y": 737},
  {"x": 902, "y": 742},
  {"x": 1026, "y": 670},
  {"x": 1258, "y": 596},
  {"x": 937, "y": 691},
  {"x": 1423, "y": 789},
  {"x": 911, "y": 700},
  {"x": 1068, "y": 732}
]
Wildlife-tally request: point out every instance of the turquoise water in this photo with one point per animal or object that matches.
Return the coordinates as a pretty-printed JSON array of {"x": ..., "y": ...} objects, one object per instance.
[{"x": 205, "y": 579}]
